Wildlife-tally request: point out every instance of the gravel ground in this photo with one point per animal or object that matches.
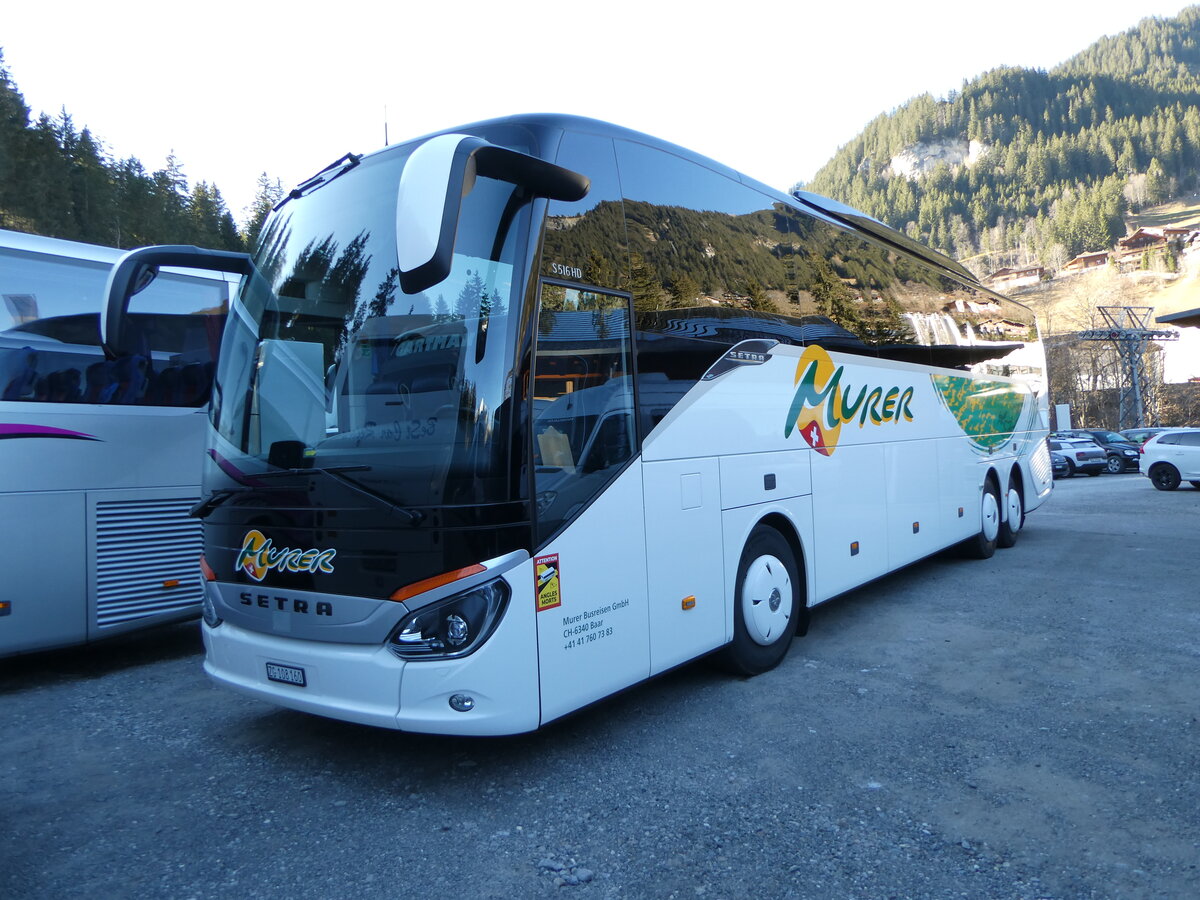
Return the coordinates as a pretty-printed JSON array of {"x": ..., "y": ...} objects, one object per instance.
[{"x": 1023, "y": 727}]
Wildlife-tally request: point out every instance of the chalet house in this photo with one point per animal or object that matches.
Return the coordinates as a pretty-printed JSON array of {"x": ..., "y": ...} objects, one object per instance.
[
  {"x": 1142, "y": 239},
  {"x": 1085, "y": 261},
  {"x": 1008, "y": 279},
  {"x": 975, "y": 307},
  {"x": 1002, "y": 329}
]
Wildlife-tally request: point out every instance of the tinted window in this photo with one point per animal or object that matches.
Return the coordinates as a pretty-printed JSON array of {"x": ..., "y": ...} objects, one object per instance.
[
  {"x": 584, "y": 241},
  {"x": 699, "y": 238},
  {"x": 51, "y": 350},
  {"x": 583, "y": 426},
  {"x": 1190, "y": 439},
  {"x": 710, "y": 266}
]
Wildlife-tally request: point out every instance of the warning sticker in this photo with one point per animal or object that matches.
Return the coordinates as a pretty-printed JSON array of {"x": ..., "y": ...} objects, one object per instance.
[{"x": 549, "y": 593}]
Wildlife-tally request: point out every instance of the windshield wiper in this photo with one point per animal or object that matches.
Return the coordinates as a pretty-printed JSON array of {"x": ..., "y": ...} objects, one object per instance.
[
  {"x": 413, "y": 516},
  {"x": 207, "y": 504},
  {"x": 322, "y": 178},
  {"x": 310, "y": 470}
]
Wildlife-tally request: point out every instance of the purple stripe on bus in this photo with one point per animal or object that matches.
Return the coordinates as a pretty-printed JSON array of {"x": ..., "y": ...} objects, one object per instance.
[{"x": 43, "y": 431}]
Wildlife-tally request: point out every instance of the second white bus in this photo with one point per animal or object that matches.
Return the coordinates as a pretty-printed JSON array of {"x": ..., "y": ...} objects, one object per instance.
[{"x": 99, "y": 458}]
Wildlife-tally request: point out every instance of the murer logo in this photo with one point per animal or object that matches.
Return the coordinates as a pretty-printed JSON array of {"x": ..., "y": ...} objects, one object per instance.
[
  {"x": 258, "y": 556},
  {"x": 822, "y": 404}
]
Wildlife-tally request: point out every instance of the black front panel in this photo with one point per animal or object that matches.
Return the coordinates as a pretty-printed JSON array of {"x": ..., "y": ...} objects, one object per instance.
[
  {"x": 367, "y": 438},
  {"x": 314, "y": 534}
]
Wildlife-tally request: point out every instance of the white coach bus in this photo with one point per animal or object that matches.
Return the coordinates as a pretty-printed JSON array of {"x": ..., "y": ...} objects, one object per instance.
[
  {"x": 99, "y": 457},
  {"x": 511, "y": 417}
]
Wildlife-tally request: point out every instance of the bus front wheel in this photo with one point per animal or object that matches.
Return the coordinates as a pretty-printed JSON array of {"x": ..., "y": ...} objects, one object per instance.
[{"x": 768, "y": 599}]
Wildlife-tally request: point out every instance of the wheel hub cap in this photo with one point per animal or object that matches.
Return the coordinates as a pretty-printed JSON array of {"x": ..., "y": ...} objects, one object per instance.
[
  {"x": 991, "y": 516},
  {"x": 767, "y": 600},
  {"x": 1014, "y": 511}
]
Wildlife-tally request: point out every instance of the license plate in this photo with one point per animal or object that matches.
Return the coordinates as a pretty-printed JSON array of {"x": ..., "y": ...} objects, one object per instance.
[{"x": 286, "y": 674}]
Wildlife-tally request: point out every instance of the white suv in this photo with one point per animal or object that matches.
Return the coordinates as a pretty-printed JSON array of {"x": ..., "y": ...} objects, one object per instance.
[{"x": 1171, "y": 457}]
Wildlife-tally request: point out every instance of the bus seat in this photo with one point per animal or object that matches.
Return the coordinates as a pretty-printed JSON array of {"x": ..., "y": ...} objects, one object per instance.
[
  {"x": 129, "y": 372},
  {"x": 100, "y": 383},
  {"x": 64, "y": 386},
  {"x": 164, "y": 388},
  {"x": 20, "y": 374},
  {"x": 195, "y": 383}
]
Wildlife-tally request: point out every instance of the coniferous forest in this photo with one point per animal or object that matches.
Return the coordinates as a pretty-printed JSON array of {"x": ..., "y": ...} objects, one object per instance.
[
  {"x": 1042, "y": 165},
  {"x": 1021, "y": 165},
  {"x": 58, "y": 180}
]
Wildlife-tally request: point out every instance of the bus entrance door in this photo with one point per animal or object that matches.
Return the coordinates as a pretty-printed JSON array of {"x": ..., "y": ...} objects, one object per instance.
[{"x": 591, "y": 565}]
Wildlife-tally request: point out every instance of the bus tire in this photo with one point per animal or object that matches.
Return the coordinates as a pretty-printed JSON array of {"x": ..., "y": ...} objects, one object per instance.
[
  {"x": 1014, "y": 512},
  {"x": 983, "y": 544},
  {"x": 766, "y": 603}
]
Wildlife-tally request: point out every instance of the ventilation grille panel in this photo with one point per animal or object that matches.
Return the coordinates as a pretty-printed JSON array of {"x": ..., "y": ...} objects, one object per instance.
[{"x": 147, "y": 559}]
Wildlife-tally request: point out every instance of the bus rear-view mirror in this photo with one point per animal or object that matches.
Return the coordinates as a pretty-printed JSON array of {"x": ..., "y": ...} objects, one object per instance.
[{"x": 438, "y": 175}]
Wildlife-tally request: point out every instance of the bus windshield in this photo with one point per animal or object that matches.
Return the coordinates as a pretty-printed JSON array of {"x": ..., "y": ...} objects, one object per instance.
[{"x": 328, "y": 365}]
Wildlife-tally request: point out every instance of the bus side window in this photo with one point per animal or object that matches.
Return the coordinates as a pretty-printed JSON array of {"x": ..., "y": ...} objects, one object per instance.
[
  {"x": 583, "y": 427},
  {"x": 613, "y": 443}
]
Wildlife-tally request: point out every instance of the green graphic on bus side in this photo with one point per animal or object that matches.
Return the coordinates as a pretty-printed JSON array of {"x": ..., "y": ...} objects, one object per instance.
[{"x": 987, "y": 411}]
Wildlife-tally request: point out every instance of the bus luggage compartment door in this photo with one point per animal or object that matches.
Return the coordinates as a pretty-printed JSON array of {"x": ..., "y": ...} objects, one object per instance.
[
  {"x": 684, "y": 572},
  {"x": 45, "y": 571}
]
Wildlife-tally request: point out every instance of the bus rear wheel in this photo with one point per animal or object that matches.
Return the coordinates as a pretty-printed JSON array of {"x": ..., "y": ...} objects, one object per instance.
[
  {"x": 768, "y": 598},
  {"x": 983, "y": 544},
  {"x": 1014, "y": 511}
]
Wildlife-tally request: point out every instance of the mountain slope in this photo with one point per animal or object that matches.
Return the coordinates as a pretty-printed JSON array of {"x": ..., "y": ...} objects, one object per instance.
[{"x": 1036, "y": 164}]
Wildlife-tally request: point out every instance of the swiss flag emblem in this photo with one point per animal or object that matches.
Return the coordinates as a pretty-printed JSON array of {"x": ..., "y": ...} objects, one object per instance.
[{"x": 815, "y": 438}]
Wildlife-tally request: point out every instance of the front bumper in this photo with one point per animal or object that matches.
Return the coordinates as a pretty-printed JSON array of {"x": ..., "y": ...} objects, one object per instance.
[{"x": 368, "y": 684}]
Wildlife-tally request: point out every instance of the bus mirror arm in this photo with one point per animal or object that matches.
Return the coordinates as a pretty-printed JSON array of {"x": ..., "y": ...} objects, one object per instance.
[
  {"x": 435, "y": 179},
  {"x": 137, "y": 268}
]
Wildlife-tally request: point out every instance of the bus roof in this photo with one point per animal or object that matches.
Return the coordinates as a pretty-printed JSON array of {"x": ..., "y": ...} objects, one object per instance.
[
  {"x": 36, "y": 243},
  {"x": 812, "y": 204}
]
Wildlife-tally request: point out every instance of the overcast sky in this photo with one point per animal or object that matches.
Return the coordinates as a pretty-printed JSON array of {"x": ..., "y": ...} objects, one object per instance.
[{"x": 770, "y": 88}]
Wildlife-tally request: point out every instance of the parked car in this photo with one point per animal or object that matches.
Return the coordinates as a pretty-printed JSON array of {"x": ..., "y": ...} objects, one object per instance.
[
  {"x": 1139, "y": 436},
  {"x": 1122, "y": 454},
  {"x": 1171, "y": 457},
  {"x": 1059, "y": 466},
  {"x": 1082, "y": 455}
]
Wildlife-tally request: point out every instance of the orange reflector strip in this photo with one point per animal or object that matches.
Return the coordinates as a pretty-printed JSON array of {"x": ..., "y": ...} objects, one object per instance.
[
  {"x": 206, "y": 570},
  {"x": 428, "y": 584},
  {"x": 171, "y": 582},
  {"x": 689, "y": 602},
  {"x": 854, "y": 548}
]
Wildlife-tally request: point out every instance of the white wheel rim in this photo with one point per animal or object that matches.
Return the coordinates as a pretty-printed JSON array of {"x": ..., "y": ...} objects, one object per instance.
[
  {"x": 991, "y": 516},
  {"x": 767, "y": 599},
  {"x": 1014, "y": 510}
]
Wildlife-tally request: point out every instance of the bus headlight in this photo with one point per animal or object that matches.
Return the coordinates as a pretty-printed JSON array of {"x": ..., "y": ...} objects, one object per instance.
[
  {"x": 452, "y": 627},
  {"x": 208, "y": 611}
]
